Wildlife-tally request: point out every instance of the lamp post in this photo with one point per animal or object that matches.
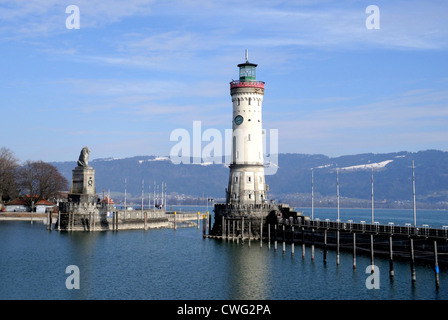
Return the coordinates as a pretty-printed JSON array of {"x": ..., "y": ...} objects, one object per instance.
[{"x": 209, "y": 200}]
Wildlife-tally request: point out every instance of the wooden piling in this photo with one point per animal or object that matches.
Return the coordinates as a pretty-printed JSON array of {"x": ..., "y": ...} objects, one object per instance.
[
  {"x": 354, "y": 250},
  {"x": 204, "y": 225},
  {"x": 292, "y": 240},
  {"x": 391, "y": 258},
  {"x": 372, "y": 261},
  {"x": 275, "y": 237},
  {"x": 238, "y": 235},
  {"x": 269, "y": 236},
  {"x": 209, "y": 224},
  {"x": 90, "y": 221},
  {"x": 175, "y": 218},
  {"x": 312, "y": 244},
  {"x": 325, "y": 246},
  {"x": 284, "y": 239},
  {"x": 337, "y": 247},
  {"x": 412, "y": 262},
  {"x": 146, "y": 221},
  {"x": 436, "y": 265},
  {"x": 48, "y": 220},
  {"x": 303, "y": 243},
  {"x": 249, "y": 230}
]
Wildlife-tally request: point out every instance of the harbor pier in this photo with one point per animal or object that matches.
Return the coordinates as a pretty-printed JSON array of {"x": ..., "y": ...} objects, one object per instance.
[{"x": 410, "y": 244}]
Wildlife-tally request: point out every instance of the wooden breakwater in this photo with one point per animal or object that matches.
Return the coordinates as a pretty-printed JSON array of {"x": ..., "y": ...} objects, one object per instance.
[{"x": 405, "y": 243}]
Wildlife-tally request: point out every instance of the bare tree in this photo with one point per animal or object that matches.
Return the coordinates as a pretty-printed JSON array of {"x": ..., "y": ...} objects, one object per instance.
[
  {"x": 8, "y": 172},
  {"x": 41, "y": 180}
]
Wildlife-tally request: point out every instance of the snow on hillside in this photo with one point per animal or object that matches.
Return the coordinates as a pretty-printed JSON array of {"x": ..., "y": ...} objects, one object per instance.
[
  {"x": 155, "y": 159},
  {"x": 375, "y": 165}
]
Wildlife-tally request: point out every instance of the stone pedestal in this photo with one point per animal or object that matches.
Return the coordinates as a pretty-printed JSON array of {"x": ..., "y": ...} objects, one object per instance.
[{"x": 83, "y": 188}]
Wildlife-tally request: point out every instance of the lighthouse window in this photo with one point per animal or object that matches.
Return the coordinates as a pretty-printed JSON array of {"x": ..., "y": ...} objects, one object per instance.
[
  {"x": 249, "y": 101},
  {"x": 248, "y": 138},
  {"x": 250, "y": 196},
  {"x": 236, "y": 179},
  {"x": 234, "y": 196},
  {"x": 238, "y": 101},
  {"x": 249, "y": 179}
]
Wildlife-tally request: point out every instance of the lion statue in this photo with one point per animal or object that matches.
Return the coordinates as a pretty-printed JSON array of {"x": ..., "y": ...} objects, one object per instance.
[{"x": 83, "y": 160}]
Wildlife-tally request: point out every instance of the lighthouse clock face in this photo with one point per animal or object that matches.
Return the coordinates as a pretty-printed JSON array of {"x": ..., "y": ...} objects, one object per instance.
[{"x": 239, "y": 120}]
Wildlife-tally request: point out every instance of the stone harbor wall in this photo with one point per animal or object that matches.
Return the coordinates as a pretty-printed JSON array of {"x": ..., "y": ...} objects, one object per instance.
[
  {"x": 255, "y": 215},
  {"x": 89, "y": 217}
]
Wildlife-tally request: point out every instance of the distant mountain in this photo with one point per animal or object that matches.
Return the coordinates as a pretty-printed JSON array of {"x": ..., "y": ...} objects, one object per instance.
[
  {"x": 392, "y": 176},
  {"x": 194, "y": 179}
]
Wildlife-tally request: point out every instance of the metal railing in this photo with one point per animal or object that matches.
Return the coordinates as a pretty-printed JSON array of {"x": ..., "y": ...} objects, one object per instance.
[
  {"x": 375, "y": 228},
  {"x": 242, "y": 84}
]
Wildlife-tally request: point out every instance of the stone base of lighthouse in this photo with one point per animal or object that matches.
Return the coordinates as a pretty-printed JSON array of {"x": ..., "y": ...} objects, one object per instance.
[{"x": 248, "y": 219}]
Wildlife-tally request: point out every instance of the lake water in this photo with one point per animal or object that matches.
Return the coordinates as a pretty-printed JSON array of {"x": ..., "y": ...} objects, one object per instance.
[{"x": 181, "y": 265}]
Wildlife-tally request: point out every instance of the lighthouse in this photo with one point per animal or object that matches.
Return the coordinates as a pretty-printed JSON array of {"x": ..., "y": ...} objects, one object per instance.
[
  {"x": 246, "y": 190},
  {"x": 246, "y": 178},
  {"x": 247, "y": 212}
]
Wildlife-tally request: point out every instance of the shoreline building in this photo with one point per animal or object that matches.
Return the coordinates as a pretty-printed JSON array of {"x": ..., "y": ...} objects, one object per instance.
[{"x": 246, "y": 192}]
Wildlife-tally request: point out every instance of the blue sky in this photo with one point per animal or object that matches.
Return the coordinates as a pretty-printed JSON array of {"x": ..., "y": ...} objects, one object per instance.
[{"x": 136, "y": 70}]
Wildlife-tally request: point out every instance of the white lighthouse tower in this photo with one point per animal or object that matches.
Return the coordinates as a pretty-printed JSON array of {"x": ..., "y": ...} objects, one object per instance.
[
  {"x": 246, "y": 179},
  {"x": 247, "y": 211}
]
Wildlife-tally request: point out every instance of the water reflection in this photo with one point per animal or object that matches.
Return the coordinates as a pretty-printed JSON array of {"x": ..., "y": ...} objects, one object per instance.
[
  {"x": 248, "y": 271},
  {"x": 81, "y": 248},
  {"x": 163, "y": 264}
]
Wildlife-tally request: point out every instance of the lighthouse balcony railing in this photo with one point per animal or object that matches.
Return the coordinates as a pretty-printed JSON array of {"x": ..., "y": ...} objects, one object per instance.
[{"x": 242, "y": 84}]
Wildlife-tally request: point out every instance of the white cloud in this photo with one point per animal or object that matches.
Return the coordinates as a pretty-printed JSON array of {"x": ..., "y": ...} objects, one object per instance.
[{"x": 406, "y": 121}]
